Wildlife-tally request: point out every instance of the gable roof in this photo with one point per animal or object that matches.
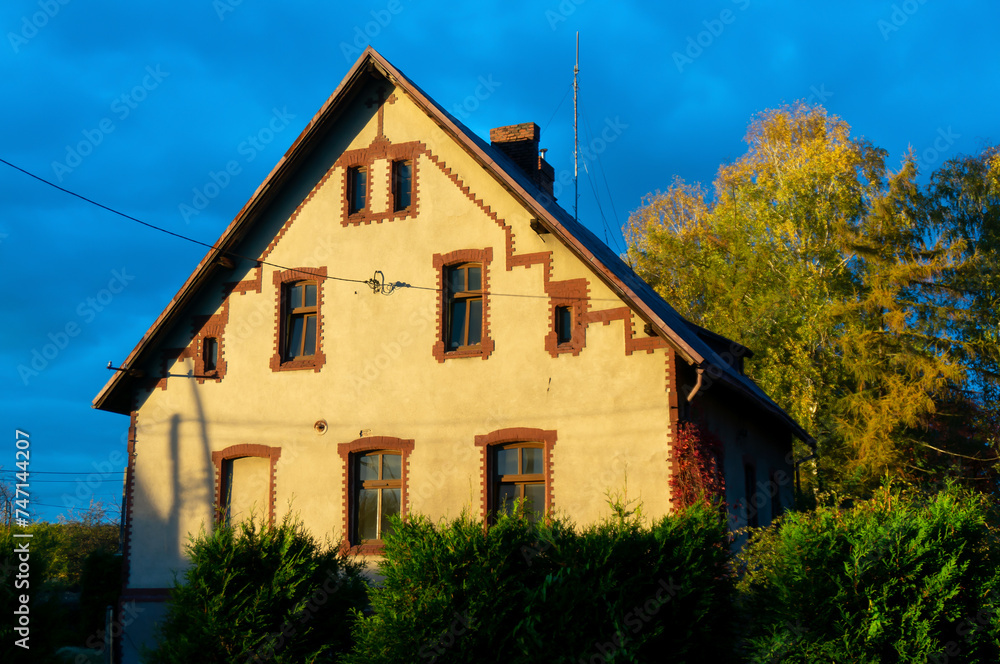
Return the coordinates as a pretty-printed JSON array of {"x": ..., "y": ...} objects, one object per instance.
[{"x": 615, "y": 273}]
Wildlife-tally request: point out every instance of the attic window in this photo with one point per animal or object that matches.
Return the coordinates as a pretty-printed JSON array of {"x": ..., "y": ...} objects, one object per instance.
[
  {"x": 357, "y": 189},
  {"x": 210, "y": 353},
  {"x": 402, "y": 185},
  {"x": 564, "y": 325}
]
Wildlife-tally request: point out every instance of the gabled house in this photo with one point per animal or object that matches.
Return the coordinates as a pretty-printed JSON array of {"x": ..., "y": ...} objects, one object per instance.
[{"x": 402, "y": 319}]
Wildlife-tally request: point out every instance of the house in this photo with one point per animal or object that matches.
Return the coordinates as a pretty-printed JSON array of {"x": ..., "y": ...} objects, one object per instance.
[{"x": 402, "y": 319}]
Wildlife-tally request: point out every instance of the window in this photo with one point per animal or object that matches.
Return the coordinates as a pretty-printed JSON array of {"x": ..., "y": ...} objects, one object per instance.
[
  {"x": 374, "y": 488},
  {"x": 245, "y": 477},
  {"x": 464, "y": 300},
  {"x": 564, "y": 325},
  {"x": 298, "y": 329},
  {"x": 463, "y": 322},
  {"x": 518, "y": 476},
  {"x": 402, "y": 185},
  {"x": 210, "y": 353},
  {"x": 357, "y": 188},
  {"x": 300, "y": 319},
  {"x": 377, "y": 493},
  {"x": 516, "y": 465}
]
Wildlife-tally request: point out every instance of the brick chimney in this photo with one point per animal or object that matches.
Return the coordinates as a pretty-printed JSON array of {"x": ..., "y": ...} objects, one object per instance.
[{"x": 520, "y": 143}]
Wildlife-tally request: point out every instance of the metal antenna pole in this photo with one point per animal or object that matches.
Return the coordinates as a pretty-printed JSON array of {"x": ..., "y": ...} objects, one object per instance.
[{"x": 576, "y": 136}]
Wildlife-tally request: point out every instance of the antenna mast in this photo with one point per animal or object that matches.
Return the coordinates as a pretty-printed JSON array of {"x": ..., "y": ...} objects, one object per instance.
[{"x": 576, "y": 136}]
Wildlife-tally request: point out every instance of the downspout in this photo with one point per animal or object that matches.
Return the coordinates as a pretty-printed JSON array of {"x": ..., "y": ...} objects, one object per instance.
[{"x": 697, "y": 385}]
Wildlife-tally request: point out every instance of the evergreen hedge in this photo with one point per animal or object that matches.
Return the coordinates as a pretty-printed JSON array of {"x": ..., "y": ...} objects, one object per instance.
[
  {"x": 903, "y": 577},
  {"x": 261, "y": 593},
  {"x": 543, "y": 592}
]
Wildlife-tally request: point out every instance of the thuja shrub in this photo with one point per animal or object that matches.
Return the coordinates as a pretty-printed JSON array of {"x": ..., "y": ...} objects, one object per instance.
[
  {"x": 905, "y": 576},
  {"x": 528, "y": 592},
  {"x": 259, "y": 592}
]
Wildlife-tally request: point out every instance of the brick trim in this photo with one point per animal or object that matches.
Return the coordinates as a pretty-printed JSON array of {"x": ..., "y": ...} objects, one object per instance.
[
  {"x": 379, "y": 149},
  {"x": 238, "y": 452},
  {"x": 673, "y": 418},
  {"x": 249, "y": 285},
  {"x": 440, "y": 262},
  {"x": 280, "y": 279},
  {"x": 129, "y": 499},
  {"x": 204, "y": 327},
  {"x": 572, "y": 293},
  {"x": 514, "y": 435},
  {"x": 368, "y": 444},
  {"x": 557, "y": 290}
]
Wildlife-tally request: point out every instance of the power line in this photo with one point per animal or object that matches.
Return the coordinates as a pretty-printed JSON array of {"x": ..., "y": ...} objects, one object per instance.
[
  {"x": 373, "y": 283},
  {"x": 164, "y": 230}
]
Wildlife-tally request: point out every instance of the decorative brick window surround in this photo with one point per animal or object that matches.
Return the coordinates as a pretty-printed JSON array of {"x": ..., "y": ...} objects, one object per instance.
[
  {"x": 385, "y": 179},
  {"x": 282, "y": 281},
  {"x": 441, "y": 262},
  {"x": 490, "y": 441},
  {"x": 348, "y": 452},
  {"x": 571, "y": 294},
  {"x": 238, "y": 452}
]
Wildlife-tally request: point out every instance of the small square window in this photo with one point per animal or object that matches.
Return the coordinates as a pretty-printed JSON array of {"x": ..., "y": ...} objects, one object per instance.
[
  {"x": 402, "y": 185},
  {"x": 564, "y": 325},
  {"x": 357, "y": 189}
]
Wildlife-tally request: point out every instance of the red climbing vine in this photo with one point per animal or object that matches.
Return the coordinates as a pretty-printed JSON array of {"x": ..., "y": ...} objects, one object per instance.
[{"x": 698, "y": 455}]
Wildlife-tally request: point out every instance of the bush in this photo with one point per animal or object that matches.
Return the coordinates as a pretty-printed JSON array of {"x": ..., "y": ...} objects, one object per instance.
[
  {"x": 901, "y": 577},
  {"x": 259, "y": 592},
  {"x": 531, "y": 592}
]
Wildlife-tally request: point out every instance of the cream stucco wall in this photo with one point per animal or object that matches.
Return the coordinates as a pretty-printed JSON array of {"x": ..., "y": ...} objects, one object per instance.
[{"x": 610, "y": 410}]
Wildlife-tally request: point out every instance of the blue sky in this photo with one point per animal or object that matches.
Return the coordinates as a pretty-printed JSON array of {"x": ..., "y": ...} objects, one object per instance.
[{"x": 137, "y": 107}]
